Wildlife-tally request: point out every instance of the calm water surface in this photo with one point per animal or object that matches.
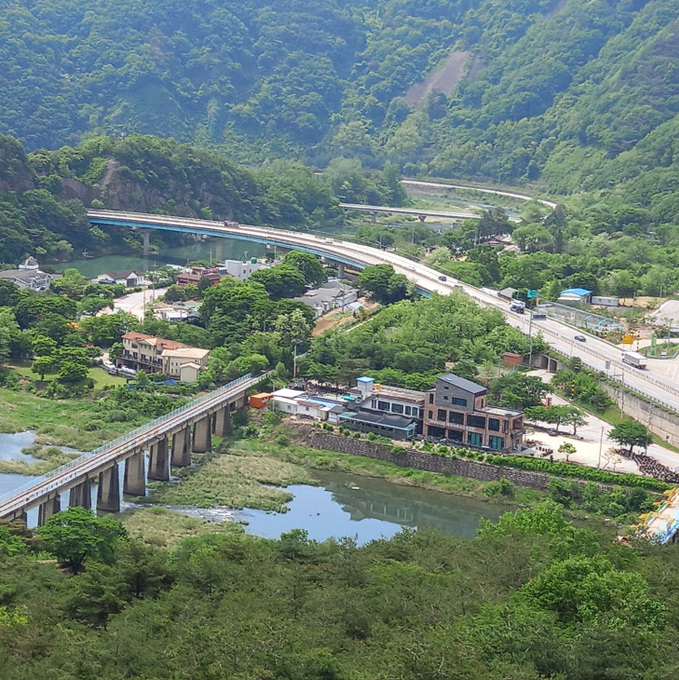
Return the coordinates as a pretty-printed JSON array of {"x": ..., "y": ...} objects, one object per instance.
[
  {"x": 366, "y": 509},
  {"x": 10, "y": 449},
  {"x": 231, "y": 250}
]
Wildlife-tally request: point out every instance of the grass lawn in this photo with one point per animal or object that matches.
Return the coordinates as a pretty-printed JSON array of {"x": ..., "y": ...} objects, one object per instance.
[
  {"x": 58, "y": 422},
  {"x": 243, "y": 477},
  {"x": 100, "y": 377},
  {"x": 166, "y": 529}
]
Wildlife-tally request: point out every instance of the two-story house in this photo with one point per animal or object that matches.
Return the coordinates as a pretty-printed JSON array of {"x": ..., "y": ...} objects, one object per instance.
[
  {"x": 457, "y": 410},
  {"x": 157, "y": 355}
]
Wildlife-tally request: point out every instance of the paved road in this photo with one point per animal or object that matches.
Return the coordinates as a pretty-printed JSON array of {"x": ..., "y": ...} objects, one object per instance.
[
  {"x": 410, "y": 211},
  {"x": 595, "y": 353},
  {"x": 135, "y": 303},
  {"x": 485, "y": 190}
]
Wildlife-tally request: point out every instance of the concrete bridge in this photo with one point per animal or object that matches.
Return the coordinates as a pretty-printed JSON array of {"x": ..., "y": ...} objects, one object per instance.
[
  {"x": 420, "y": 214},
  {"x": 95, "y": 480}
]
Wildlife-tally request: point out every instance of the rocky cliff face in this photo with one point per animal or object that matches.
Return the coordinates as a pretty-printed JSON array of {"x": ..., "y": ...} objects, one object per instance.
[
  {"x": 15, "y": 171},
  {"x": 120, "y": 188}
]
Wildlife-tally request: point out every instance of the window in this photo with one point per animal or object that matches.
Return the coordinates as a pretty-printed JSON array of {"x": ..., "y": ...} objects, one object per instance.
[
  {"x": 397, "y": 408},
  {"x": 476, "y": 421},
  {"x": 494, "y": 424},
  {"x": 455, "y": 435},
  {"x": 445, "y": 397},
  {"x": 383, "y": 405},
  {"x": 475, "y": 439},
  {"x": 441, "y": 414},
  {"x": 458, "y": 401},
  {"x": 436, "y": 432},
  {"x": 430, "y": 414},
  {"x": 431, "y": 397},
  {"x": 496, "y": 443},
  {"x": 407, "y": 410},
  {"x": 455, "y": 417}
]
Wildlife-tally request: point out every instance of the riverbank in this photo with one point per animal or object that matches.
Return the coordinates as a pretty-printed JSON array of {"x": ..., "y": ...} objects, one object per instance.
[
  {"x": 49, "y": 457},
  {"x": 76, "y": 423}
]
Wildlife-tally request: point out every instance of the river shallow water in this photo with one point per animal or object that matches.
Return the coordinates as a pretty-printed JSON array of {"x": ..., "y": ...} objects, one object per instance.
[
  {"x": 362, "y": 508},
  {"x": 341, "y": 505}
]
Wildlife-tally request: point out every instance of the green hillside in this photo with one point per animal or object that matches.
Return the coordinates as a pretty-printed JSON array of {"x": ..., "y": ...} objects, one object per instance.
[{"x": 577, "y": 94}]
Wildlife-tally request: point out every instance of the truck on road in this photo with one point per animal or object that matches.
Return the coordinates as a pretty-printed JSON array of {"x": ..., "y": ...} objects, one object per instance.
[
  {"x": 634, "y": 359},
  {"x": 517, "y": 306}
]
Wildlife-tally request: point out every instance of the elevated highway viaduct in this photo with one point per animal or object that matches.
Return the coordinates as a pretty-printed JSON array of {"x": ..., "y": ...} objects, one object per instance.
[{"x": 595, "y": 353}]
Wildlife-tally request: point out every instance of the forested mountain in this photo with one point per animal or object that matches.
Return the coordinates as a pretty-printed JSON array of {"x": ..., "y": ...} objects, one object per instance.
[
  {"x": 580, "y": 93},
  {"x": 44, "y": 195}
]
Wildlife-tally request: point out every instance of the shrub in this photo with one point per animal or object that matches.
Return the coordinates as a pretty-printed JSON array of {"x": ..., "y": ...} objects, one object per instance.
[
  {"x": 503, "y": 488},
  {"x": 570, "y": 470},
  {"x": 356, "y": 435},
  {"x": 396, "y": 450},
  {"x": 117, "y": 416}
]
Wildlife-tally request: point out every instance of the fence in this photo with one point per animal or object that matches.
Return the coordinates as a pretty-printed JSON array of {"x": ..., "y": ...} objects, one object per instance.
[{"x": 137, "y": 433}]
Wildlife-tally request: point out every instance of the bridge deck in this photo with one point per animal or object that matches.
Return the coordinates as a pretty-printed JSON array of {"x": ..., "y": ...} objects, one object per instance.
[
  {"x": 65, "y": 477},
  {"x": 411, "y": 211}
]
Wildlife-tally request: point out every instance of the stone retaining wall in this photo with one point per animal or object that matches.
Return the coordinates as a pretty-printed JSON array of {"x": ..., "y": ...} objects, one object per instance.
[
  {"x": 321, "y": 439},
  {"x": 661, "y": 423}
]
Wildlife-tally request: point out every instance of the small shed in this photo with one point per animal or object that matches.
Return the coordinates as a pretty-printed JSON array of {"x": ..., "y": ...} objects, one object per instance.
[
  {"x": 189, "y": 371},
  {"x": 511, "y": 359},
  {"x": 260, "y": 400}
]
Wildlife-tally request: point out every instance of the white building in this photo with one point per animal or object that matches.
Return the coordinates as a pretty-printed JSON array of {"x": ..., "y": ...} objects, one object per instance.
[
  {"x": 298, "y": 403},
  {"x": 29, "y": 277},
  {"x": 242, "y": 270},
  {"x": 329, "y": 296},
  {"x": 127, "y": 277}
]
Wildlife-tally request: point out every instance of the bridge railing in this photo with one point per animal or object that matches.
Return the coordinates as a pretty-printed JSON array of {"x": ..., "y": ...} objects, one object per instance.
[{"x": 125, "y": 438}]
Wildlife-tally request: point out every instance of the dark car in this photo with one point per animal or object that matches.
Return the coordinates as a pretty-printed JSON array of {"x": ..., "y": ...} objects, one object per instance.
[
  {"x": 552, "y": 433},
  {"x": 580, "y": 338},
  {"x": 443, "y": 278}
]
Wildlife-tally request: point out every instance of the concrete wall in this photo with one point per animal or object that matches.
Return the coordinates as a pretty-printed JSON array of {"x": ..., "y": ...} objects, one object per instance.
[
  {"x": 660, "y": 423},
  {"x": 320, "y": 439}
]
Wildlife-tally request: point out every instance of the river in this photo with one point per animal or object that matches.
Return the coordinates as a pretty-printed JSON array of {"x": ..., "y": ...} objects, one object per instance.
[
  {"x": 341, "y": 505},
  {"x": 231, "y": 250},
  {"x": 362, "y": 508}
]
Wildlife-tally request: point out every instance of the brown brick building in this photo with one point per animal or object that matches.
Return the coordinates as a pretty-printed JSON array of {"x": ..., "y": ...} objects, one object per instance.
[{"x": 456, "y": 410}]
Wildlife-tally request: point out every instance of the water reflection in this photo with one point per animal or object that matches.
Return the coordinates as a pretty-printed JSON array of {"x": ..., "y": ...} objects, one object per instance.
[
  {"x": 368, "y": 509},
  {"x": 231, "y": 250}
]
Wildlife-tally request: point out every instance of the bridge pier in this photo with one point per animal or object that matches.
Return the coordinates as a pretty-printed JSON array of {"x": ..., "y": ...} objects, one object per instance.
[
  {"x": 422, "y": 218},
  {"x": 202, "y": 435},
  {"x": 218, "y": 249},
  {"x": 48, "y": 508},
  {"x": 108, "y": 491},
  {"x": 340, "y": 270},
  {"x": 159, "y": 461},
  {"x": 222, "y": 426},
  {"x": 146, "y": 233},
  {"x": 80, "y": 496},
  {"x": 181, "y": 448},
  {"x": 373, "y": 217},
  {"x": 134, "y": 480}
]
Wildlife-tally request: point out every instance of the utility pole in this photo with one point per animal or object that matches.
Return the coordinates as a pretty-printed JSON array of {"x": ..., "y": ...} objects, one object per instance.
[{"x": 601, "y": 446}]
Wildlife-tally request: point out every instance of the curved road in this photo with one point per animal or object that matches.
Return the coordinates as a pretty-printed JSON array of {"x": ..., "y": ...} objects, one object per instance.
[
  {"x": 485, "y": 190},
  {"x": 595, "y": 353}
]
